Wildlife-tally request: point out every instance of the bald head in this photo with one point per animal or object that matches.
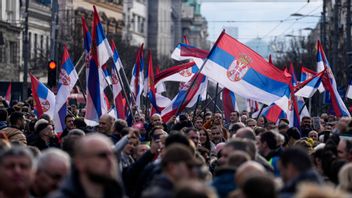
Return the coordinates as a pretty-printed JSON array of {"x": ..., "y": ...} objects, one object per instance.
[
  {"x": 105, "y": 124},
  {"x": 156, "y": 120},
  {"x": 245, "y": 133},
  {"x": 248, "y": 170},
  {"x": 87, "y": 144}
]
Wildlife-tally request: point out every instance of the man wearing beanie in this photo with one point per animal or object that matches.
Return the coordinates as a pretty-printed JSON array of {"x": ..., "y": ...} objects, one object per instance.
[{"x": 43, "y": 136}]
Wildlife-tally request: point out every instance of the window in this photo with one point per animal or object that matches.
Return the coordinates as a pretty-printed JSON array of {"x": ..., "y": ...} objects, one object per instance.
[
  {"x": 2, "y": 54},
  {"x": 47, "y": 47},
  {"x": 13, "y": 52},
  {"x": 35, "y": 45}
]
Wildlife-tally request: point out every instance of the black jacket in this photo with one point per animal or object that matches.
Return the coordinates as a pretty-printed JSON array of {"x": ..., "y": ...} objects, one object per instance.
[
  {"x": 72, "y": 188},
  {"x": 161, "y": 187}
]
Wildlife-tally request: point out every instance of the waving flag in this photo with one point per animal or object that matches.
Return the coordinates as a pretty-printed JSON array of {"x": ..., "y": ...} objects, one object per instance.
[
  {"x": 229, "y": 102},
  {"x": 179, "y": 73},
  {"x": 149, "y": 84},
  {"x": 243, "y": 71},
  {"x": 99, "y": 54},
  {"x": 43, "y": 98},
  {"x": 137, "y": 77},
  {"x": 68, "y": 79},
  {"x": 201, "y": 93},
  {"x": 329, "y": 83},
  {"x": 160, "y": 88},
  {"x": 252, "y": 106},
  {"x": 87, "y": 42},
  {"x": 186, "y": 52},
  {"x": 8, "y": 94},
  {"x": 310, "y": 88},
  {"x": 277, "y": 110},
  {"x": 182, "y": 99}
]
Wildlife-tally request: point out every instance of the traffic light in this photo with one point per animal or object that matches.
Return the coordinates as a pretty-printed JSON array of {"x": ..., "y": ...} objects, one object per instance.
[{"x": 52, "y": 67}]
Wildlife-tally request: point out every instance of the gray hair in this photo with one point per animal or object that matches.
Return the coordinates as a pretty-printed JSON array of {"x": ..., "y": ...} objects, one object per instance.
[
  {"x": 52, "y": 154},
  {"x": 16, "y": 151}
]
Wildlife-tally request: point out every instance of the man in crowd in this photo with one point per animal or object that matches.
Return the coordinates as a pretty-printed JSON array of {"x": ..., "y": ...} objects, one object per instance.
[
  {"x": 16, "y": 172},
  {"x": 15, "y": 131},
  {"x": 106, "y": 123},
  {"x": 69, "y": 125},
  {"x": 344, "y": 149},
  {"x": 52, "y": 167},
  {"x": 95, "y": 170}
]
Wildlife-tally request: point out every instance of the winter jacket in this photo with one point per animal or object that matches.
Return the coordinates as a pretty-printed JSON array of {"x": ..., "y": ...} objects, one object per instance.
[
  {"x": 224, "y": 182},
  {"x": 14, "y": 135}
]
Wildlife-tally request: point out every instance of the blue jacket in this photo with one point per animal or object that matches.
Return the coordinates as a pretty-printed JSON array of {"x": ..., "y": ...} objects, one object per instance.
[{"x": 224, "y": 182}]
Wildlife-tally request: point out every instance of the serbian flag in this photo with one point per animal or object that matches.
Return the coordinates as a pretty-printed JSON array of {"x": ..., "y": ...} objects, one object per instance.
[
  {"x": 181, "y": 100},
  {"x": 329, "y": 83},
  {"x": 179, "y": 73},
  {"x": 8, "y": 94},
  {"x": 149, "y": 84},
  {"x": 137, "y": 77},
  {"x": 99, "y": 53},
  {"x": 277, "y": 110},
  {"x": 252, "y": 106},
  {"x": 119, "y": 100},
  {"x": 201, "y": 94},
  {"x": 229, "y": 103},
  {"x": 68, "y": 79},
  {"x": 187, "y": 52},
  {"x": 160, "y": 88},
  {"x": 44, "y": 99},
  {"x": 243, "y": 71},
  {"x": 310, "y": 88},
  {"x": 86, "y": 44}
]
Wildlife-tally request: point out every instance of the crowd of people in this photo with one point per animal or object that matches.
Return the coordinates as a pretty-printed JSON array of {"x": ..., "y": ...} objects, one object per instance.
[{"x": 196, "y": 154}]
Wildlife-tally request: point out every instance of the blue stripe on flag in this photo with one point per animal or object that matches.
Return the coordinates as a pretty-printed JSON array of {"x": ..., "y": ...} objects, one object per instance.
[
  {"x": 42, "y": 91},
  {"x": 94, "y": 87},
  {"x": 68, "y": 66},
  {"x": 100, "y": 34},
  {"x": 221, "y": 57}
]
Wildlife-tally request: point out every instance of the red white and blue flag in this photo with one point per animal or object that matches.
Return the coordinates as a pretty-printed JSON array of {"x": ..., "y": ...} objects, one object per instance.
[
  {"x": 187, "y": 52},
  {"x": 229, "y": 103},
  {"x": 120, "y": 101},
  {"x": 329, "y": 83},
  {"x": 149, "y": 84},
  {"x": 182, "y": 99},
  {"x": 349, "y": 90},
  {"x": 137, "y": 79},
  {"x": 44, "y": 99},
  {"x": 99, "y": 53},
  {"x": 277, "y": 110},
  {"x": 310, "y": 88},
  {"x": 68, "y": 79},
  {"x": 8, "y": 94},
  {"x": 243, "y": 71}
]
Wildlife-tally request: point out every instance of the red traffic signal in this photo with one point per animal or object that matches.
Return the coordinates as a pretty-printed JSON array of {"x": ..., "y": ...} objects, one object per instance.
[{"x": 52, "y": 65}]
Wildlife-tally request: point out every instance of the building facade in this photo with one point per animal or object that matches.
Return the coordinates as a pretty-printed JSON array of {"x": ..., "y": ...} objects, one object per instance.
[
  {"x": 136, "y": 20},
  {"x": 10, "y": 40}
]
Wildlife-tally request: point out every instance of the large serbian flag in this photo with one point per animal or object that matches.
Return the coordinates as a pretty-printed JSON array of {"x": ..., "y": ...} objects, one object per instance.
[{"x": 243, "y": 71}]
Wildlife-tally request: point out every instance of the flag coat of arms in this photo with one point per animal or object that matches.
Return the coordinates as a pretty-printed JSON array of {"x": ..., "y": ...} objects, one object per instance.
[
  {"x": 68, "y": 79},
  {"x": 243, "y": 71},
  {"x": 43, "y": 98}
]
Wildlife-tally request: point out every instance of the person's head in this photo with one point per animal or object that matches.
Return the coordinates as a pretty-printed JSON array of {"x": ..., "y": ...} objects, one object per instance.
[
  {"x": 306, "y": 122},
  {"x": 245, "y": 133},
  {"x": 261, "y": 122},
  {"x": 217, "y": 119},
  {"x": 236, "y": 145},
  {"x": 283, "y": 127},
  {"x": 69, "y": 122},
  {"x": 155, "y": 120},
  {"x": 264, "y": 187},
  {"x": 251, "y": 123},
  {"x": 208, "y": 116},
  {"x": 344, "y": 149},
  {"x": 247, "y": 170},
  {"x": 80, "y": 123},
  {"x": 243, "y": 118},
  {"x": 235, "y": 127},
  {"x": 105, "y": 124},
  {"x": 52, "y": 166},
  {"x": 177, "y": 162},
  {"x": 119, "y": 125},
  {"x": 140, "y": 149},
  {"x": 193, "y": 135},
  {"x": 203, "y": 136},
  {"x": 17, "y": 120},
  {"x": 237, "y": 158},
  {"x": 310, "y": 190},
  {"x": 216, "y": 134},
  {"x": 131, "y": 146},
  {"x": 293, "y": 162},
  {"x": 3, "y": 115},
  {"x": 234, "y": 117},
  {"x": 198, "y": 123},
  {"x": 313, "y": 135},
  {"x": 16, "y": 171},
  {"x": 266, "y": 143},
  {"x": 44, "y": 129},
  {"x": 342, "y": 124},
  {"x": 94, "y": 159},
  {"x": 70, "y": 140},
  {"x": 192, "y": 189},
  {"x": 345, "y": 178}
]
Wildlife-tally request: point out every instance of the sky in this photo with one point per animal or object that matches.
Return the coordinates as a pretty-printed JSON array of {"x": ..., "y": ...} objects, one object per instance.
[{"x": 266, "y": 20}]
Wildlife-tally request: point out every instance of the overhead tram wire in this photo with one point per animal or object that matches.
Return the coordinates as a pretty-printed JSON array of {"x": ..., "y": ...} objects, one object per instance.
[{"x": 273, "y": 29}]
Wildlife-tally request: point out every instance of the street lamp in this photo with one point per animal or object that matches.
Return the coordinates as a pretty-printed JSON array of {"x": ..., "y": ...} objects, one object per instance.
[{"x": 303, "y": 15}]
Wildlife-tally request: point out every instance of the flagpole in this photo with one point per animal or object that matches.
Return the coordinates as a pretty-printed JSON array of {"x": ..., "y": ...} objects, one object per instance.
[
  {"x": 216, "y": 97},
  {"x": 197, "y": 74},
  {"x": 261, "y": 110},
  {"x": 211, "y": 100},
  {"x": 124, "y": 91},
  {"x": 195, "y": 109},
  {"x": 215, "y": 105}
]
